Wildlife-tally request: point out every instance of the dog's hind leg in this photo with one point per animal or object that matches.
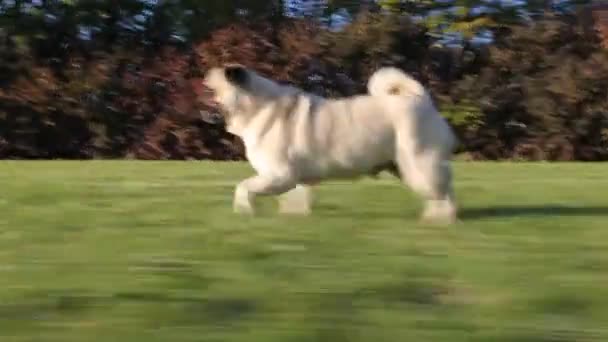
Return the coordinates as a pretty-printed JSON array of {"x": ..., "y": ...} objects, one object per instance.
[
  {"x": 430, "y": 176},
  {"x": 441, "y": 202}
]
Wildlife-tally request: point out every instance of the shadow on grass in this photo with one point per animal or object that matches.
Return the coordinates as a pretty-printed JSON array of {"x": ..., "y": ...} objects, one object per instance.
[
  {"x": 365, "y": 212},
  {"x": 211, "y": 310},
  {"x": 58, "y": 305},
  {"x": 532, "y": 210}
]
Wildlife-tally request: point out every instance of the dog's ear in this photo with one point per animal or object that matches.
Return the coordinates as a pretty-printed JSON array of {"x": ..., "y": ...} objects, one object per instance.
[{"x": 236, "y": 75}]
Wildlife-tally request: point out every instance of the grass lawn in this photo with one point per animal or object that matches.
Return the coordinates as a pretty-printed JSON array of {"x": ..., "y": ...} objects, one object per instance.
[{"x": 150, "y": 251}]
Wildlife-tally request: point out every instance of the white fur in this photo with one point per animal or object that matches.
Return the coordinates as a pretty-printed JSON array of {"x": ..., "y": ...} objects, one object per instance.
[
  {"x": 382, "y": 80},
  {"x": 295, "y": 139}
]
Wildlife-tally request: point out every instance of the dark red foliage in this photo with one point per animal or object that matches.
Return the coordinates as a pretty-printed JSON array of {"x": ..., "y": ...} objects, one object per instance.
[
  {"x": 539, "y": 93},
  {"x": 542, "y": 95}
]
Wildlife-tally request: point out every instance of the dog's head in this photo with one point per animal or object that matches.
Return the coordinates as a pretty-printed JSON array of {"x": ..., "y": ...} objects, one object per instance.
[
  {"x": 240, "y": 93},
  {"x": 229, "y": 87},
  {"x": 237, "y": 88}
]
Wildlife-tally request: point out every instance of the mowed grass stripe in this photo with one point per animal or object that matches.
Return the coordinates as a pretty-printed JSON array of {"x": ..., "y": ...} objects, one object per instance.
[{"x": 130, "y": 251}]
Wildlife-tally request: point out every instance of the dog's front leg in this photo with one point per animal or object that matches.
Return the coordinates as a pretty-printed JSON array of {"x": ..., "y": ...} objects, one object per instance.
[
  {"x": 296, "y": 201},
  {"x": 247, "y": 190}
]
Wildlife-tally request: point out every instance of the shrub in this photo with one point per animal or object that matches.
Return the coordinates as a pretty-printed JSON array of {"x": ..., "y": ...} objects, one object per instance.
[{"x": 542, "y": 94}]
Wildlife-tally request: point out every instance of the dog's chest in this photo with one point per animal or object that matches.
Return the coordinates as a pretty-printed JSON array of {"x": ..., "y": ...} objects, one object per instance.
[{"x": 257, "y": 154}]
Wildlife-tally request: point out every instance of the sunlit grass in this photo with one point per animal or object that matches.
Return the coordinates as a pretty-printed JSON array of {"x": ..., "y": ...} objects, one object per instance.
[{"x": 150, "y": 251}]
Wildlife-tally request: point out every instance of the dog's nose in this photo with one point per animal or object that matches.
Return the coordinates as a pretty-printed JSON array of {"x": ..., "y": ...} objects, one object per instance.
[{"x": 208, "y": 96}]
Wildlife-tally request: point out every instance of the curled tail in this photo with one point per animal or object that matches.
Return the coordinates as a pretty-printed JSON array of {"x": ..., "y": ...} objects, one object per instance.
[
  {"x": 392, "y": 84},
  {"x": 392, "y": 81}
]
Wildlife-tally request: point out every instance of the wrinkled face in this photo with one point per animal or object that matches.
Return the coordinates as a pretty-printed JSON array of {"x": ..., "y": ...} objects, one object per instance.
[{"x": 226, "y": 84}]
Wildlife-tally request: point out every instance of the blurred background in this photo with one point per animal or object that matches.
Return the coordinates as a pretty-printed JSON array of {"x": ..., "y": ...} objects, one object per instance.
[
  {"x": 151, "y": 251},
  {"x": 83, "y": 79}
]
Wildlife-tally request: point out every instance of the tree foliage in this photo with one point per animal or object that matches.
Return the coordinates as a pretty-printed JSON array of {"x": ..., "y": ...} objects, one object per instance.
[
  {"x": 543, "y": 94},
  {"x": 111, "y": 79}
]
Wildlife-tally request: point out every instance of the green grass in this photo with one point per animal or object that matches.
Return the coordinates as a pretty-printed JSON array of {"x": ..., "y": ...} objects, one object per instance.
[{"x": 150, "y": 251}]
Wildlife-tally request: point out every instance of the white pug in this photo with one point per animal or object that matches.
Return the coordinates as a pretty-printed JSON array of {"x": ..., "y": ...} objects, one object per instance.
[{"x": 295, "y": 139}]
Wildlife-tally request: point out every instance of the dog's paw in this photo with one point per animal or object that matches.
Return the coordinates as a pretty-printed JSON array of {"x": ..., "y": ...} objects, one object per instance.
[
  {"x": 438, "y": 220},
  {"x": 439, "y": 213},
  {"x": 243, "y": 202},
  {"x": 294, "y": 208},
  {"x": 243, "y": 209},
  {"x": 243, "y": 206},
  {"x": 296, "y": 202}
]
